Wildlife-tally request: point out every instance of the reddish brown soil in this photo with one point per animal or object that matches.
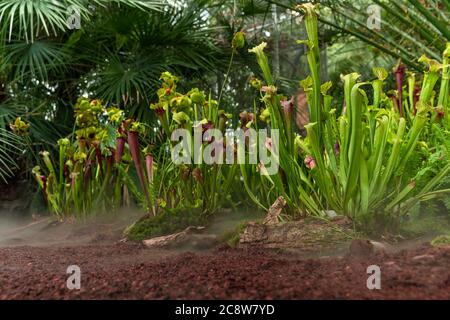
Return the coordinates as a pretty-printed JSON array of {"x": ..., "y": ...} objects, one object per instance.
[{"x": 128, "y": 271}]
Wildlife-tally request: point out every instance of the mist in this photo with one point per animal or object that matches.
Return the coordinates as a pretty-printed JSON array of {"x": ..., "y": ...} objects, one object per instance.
[{"x": 49, "y": 231}]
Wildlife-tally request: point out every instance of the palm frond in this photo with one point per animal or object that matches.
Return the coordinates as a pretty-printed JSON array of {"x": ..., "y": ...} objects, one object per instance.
[
  {"x": 137, "y": 46},
  {"x": 27, "y": 18},
  {"x": 33, "y": 60},
  {"x": 10, "y": 145}
]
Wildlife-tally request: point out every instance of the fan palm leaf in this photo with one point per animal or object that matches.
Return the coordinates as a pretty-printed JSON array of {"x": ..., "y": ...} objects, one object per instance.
[
  {"x": 9, "y": 145},
  {"x": 137, "y": 46},
  {"x": 33, "y": 60},
  {"x": 27, "y": 18}
]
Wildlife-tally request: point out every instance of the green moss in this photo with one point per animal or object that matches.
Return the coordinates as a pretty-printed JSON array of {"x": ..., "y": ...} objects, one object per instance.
[
  {"x": 165, "y": 223},
  {"x": 232, "y": 237},
  {"x": 441, "y": 241}
]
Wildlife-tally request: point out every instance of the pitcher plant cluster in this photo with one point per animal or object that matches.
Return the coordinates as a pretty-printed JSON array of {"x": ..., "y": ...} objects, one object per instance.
[{"x": 364, "y": 157}]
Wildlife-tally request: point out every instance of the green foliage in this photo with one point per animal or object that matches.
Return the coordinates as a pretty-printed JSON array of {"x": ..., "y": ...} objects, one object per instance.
[
  {"x": 103, "y": 162},
  {"x": 380, "y": 157},
  {"x": 357, "y": 160},
  {"x": 408, "y": 29},
  {"x": 209, "y": 185},
  {"x": 28, "y": 18},
  {"x": 10, "y": 145},
  {"x": 117, "y": 56},
  {"x": 88, "y": 175}
]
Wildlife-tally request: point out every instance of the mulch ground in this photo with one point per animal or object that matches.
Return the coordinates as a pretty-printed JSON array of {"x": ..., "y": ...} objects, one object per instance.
[{"x": 130, "y": 271}]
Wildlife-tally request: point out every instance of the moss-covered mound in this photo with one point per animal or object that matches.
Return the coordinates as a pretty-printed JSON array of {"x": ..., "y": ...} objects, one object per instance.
[
  {"x": 164, "y": 223},
  {"x": 441, "y": 241}
]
